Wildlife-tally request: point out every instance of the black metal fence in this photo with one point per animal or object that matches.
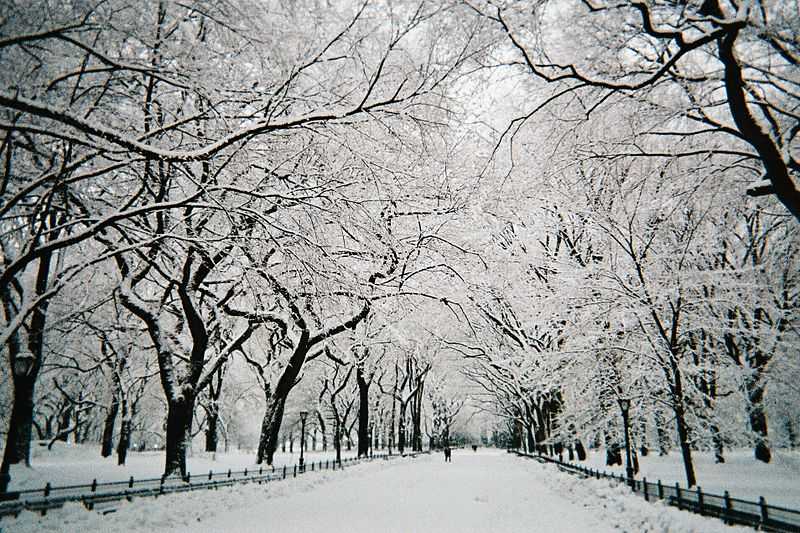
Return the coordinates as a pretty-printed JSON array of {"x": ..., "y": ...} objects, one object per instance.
[
  {"x": 104, "y": 496},
  {"x": 759, "y": 514}
]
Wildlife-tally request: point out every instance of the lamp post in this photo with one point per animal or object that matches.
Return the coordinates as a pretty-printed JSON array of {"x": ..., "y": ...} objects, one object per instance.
[
  {"x": 303, "y": 415},
  {"x": 23, "y": 363},
  {"x": 625, "y": 406}
]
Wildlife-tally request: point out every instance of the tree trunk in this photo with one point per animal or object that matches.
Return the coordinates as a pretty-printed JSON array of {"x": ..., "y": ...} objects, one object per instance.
[
  {"x": 107, "y": 447},
  {"x": 719, "y": 444},
  {"x": 48, "y": 427},
  {"x": 323, "y": 431},
  {"x": 686, "y": 450},
  {"x": 580, "y": 450},
  {"x": 64, "y": 419},
  {"x": 613, "y": 454},
  {"x": 20, "y": 425},
  {"x": 530, "y": 438},
  {"x": 270, "y": 430},
  {"x": 211, "y": 428},
  {"x": 124, "y": 440},
  {"x": 363, "y": 413},
  {"x": 394, "y": 410},
  {"x": 758, "y": 418},
  {"x": 401, "y": 429},
  {"x": 416, "y": 419},
  {"x": 644, "y": 447},
  {"x": 273, "y": 416},
  {"x": 18, "y": 439},
  {"x": 791, "y": 434},
  {"x": 179, "y": 426},
  {"x": 337, "y": 440},
  {"x": 662, "y": 434},
  {"x": 392, "y": 434}
]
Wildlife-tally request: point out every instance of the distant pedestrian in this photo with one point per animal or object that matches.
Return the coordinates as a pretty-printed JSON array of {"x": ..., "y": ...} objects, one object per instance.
[
  {"x": 448, "y": 455},
  {"x": 474, "y": 447}
]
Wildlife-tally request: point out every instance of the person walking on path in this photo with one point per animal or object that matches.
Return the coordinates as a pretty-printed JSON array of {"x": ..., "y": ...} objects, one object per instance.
[{"x": 448, "y": 457}]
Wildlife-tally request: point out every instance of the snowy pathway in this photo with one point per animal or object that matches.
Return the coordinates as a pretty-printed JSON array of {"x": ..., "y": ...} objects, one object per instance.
[{"x": 487, "y": 491}]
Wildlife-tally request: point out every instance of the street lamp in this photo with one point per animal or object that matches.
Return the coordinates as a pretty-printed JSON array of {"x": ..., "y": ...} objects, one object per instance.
[
  {"x": 303, "y": 415},
  {"x": 23, "y": 363},
  {"x": 625, "y": 406}
]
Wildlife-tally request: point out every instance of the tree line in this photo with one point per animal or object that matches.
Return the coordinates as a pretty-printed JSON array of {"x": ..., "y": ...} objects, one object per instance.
[{"x": 216, "y": 209}]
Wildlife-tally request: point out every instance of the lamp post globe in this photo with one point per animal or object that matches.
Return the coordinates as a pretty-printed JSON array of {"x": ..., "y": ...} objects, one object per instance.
[{"x": 23, "y": 363}]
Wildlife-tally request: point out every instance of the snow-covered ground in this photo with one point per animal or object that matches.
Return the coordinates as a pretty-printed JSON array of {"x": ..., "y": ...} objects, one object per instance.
[
  {"x": 69, "y": 464},
  {"x": 741, "y": 475},
  {"x": 484, "y": 491}
]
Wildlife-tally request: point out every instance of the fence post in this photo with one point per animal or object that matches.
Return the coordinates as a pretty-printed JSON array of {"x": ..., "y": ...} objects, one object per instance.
[
  {"x": 728, "y": 508},
  {"x": 94, "y": 485},
  {"x": 130, "y": 483},
  {"x": 660, "y": 490},
  {"x": 295, "y": 471},
  {"x": 762, "y": 503},
  {"x": 188, "y": 477},
  {"x": 284, "y": 471},
  {"x": 312, "y": 466},
  {"x": 644, "y": 489},
  {"x": 210, "y": 473},
  {"x": 700, "y": 501},
  {"x": 678, "y": 495}
]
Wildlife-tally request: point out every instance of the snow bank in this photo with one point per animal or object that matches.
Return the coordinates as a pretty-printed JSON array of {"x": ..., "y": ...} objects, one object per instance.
[
  {"x": 741, "y": 475},
  {"x": 614, "y": 503},
  {"x": 173, "y": 511},
  {"x": 69, "y": 464}
]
